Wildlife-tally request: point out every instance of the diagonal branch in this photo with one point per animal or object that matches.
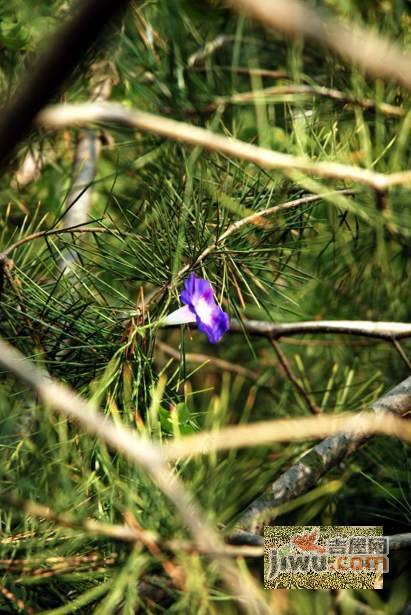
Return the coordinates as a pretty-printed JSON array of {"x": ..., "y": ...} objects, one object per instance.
[
  {"x": 314, "y": 464},
  {"x": 375, "y": 54},
  {"x": 257, "y": 217},
  {"x": 312, "y": 406},
  {"x": 143, "y": 454},
  {"x": 220, "y": 364},
  {"x": 263, "y": 433},
  {"x": 61, "y": 116},
  {"x": 128, "y": 533}
]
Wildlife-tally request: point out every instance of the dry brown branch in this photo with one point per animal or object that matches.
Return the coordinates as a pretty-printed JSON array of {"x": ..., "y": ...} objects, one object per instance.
[
  {"x": 143, "y": 454},
  {"x": 119, "y": 532},
  {"x": 309, "y": 90},
  {"x": 38, "y": 234},
  {"x": 374, "y": 54},
  {"x": 402, "y": 354},
  {"x": 287, "y": 430},
  {"x": 311, "y": 405},
  {"x": 314, "y": 464},
  {"x": 61, "y": 116},
  {"x": 193, "y": 357},
  {"x": 256, "y": 218},
  {"x": 245, "y": 70},
  {"x": 123, "y": 533}
]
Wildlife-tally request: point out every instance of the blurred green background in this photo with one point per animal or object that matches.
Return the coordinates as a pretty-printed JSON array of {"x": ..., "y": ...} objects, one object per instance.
[{"x": 335, "y": 259}]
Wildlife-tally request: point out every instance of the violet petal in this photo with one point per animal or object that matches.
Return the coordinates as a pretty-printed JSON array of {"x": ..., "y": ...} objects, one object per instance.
[{"x": 198, "y": 294}]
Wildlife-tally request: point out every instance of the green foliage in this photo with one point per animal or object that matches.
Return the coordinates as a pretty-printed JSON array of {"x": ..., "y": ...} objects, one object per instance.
[{"x": 161, "y": 205}]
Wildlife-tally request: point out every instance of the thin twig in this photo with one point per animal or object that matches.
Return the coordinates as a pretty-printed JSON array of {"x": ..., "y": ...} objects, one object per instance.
[
  {"x": 375, "y": 54},
  {"x": 402, "y": 354},
  {"x": 120, "y": 532},
  {"x": 61, "y": 116},
  {"x": 143, "y": 454},
  {"x": 256, "y": 218},
  {"x": 308, "y": 90},
  {"x": 59, "y": 231},
  {"x": 221, "y": 364},
  {"x": 311, "y": 405}
]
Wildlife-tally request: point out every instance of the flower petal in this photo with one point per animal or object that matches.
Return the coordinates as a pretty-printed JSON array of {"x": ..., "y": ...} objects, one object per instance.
[
  {"x": 180, "y": 316},
  {"x": 195, "y": 289},
  {"x": 216, "y": 326},
  {"x": 200, "y": 307}
]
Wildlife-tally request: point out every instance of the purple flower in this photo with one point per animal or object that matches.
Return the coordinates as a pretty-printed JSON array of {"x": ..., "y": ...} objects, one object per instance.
[{"x": 200, "y": 306}]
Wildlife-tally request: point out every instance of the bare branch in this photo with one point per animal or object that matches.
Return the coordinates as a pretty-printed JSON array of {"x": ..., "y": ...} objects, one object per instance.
[
  {"x": 79, "y": 198},
  {"x": 142, "y": 453},
  {"x": 255, "y": 541},
  {"x": 256, "y": 219},
  {"x": 221, "y": 364},
  {"x": 358, "y": 425},
  {"x": 400, "y": 541},
  {"x": 312, "y": 406},
  {"x": 364, "y": 328},
  {"x": 39, "y": 234},
  {"x": 308, "y": 90},
  {"x": 315, "y": 463},
  {"x": 61, "y": 116},
  {"x": 119, "y": 532},
  {"x": 376, "y": 55}
]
